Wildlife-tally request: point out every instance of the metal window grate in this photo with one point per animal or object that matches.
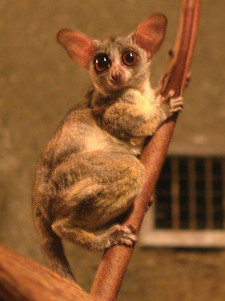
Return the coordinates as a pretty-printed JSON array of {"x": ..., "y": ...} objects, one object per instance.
[{"x": 189, "y": 205}]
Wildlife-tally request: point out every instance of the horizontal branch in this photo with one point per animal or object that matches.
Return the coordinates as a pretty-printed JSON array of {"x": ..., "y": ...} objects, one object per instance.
[{"x": 22, "y": 279}]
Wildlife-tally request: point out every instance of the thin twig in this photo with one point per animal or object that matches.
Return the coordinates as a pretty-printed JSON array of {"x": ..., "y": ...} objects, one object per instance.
[{"x": 115, "y": 260}]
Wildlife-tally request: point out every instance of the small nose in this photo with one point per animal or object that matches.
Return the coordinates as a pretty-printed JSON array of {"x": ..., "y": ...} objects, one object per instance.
[{"x": 116, "y": 76}]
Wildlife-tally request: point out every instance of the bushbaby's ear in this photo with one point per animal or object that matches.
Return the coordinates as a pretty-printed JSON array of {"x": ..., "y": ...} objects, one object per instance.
[
  {"x": 79, "y": 47},
  {"x": 150, "y": 33}
]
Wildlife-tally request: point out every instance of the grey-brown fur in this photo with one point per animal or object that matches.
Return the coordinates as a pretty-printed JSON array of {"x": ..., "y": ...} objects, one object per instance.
[{"x": 89, "y": 174}]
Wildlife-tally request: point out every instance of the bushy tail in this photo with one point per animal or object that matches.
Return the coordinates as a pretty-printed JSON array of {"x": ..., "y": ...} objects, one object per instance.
[{"x": 52, "y": 247}]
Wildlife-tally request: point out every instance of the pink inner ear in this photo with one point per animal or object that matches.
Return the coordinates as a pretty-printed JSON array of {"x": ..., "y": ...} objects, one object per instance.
[
  {"x": 150, "y": 33},
  {"x": 79, "y": 47}
]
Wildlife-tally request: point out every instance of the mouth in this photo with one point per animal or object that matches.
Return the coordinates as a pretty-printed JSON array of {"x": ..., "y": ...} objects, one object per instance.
[
  {"x": 116, "y": 86},
  {"x": 117, "y": 81}
]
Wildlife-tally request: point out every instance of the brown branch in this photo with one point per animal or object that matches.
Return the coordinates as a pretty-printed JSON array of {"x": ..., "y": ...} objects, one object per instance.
[
  {"x": 23, "y": 279},
  {"x": 115, "y": 260}
]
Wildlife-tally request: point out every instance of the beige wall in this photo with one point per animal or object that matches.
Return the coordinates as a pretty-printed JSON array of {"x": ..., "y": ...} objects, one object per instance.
[{"x": 38, "y": 85}]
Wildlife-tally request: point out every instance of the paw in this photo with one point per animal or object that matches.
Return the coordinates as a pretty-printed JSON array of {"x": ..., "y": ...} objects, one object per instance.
[
  {"x": 122, "y": 235},
  {"x": 176, "y": 103}
]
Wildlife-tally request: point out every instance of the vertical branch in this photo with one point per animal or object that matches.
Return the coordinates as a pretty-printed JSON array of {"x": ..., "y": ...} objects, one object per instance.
[{"x": 115, "y": 260}]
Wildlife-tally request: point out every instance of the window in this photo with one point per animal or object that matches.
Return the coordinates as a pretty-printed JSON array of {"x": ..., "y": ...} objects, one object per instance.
[{"x": 189, "y": 207}]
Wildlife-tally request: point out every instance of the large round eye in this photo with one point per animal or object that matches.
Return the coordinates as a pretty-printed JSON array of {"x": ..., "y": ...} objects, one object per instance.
[
  {"x": 130, "y": 58},
  {"x": 102, "y": 62}
]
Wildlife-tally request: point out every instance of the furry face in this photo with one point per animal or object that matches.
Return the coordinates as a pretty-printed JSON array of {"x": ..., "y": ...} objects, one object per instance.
[{"x": 118, "y": 64}]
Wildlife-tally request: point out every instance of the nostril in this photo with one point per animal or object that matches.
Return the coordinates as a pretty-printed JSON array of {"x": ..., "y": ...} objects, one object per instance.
[{"x": 116, "y": 77}]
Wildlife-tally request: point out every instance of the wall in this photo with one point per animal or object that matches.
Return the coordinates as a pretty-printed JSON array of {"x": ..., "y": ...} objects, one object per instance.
[{"x": 39, "y": 84}]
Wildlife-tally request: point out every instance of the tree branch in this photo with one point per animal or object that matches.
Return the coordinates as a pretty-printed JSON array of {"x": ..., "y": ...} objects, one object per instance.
[
  {"x": 115, "y": 260},
  {"x": 22, "y": 279}
]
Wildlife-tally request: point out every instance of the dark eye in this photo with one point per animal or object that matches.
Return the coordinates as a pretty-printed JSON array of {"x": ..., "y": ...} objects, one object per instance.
[
  {"x": 102, "y": 62},
  {"x": 130, "y": 58}
]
